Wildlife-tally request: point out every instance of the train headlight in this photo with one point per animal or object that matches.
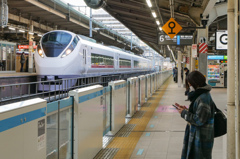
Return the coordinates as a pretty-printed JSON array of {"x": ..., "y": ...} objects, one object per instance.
[
  {"x": 40, "y": 51},
  {"x": 67, "y": 52}
]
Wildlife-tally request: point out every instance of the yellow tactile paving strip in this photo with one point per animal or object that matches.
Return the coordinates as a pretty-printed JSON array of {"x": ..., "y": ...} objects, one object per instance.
[{"x": 126, "y": 145}]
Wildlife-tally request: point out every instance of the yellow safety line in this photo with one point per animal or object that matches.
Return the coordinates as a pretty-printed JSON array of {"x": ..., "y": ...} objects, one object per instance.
[{"x": 126, "y": 145}]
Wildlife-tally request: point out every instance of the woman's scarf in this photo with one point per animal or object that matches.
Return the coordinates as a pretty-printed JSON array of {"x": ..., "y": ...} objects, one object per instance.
[{"x": 192, "y": 96}]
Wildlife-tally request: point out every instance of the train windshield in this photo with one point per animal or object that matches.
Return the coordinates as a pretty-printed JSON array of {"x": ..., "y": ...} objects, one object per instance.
[{"x": 55, "y": 42}]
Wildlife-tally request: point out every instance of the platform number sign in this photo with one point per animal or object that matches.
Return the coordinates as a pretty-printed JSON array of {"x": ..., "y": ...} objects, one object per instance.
[
  {"x": 221, "y": 40},
  {"x": 172, "y": 28}
]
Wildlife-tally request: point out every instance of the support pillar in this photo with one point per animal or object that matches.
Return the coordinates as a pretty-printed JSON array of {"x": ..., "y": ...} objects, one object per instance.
[
  {"x": 202, "y": 61},
  {"x": 90, "y": 24},
  {"x": 55, "y": 27},
  {"x": 179, "y": 68},
  {"x": 237, "y": 78},
  {"x": 30, "y": 55},
  {"x": 192, "y": 61},
  {"x": 231, "y": 148},
  {"x": 189, "y": 57}
]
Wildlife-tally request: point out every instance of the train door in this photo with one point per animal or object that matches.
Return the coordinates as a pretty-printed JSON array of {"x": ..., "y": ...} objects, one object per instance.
[
  {"x": 86, "y": 62},
  {"x": 117, "y": 62},
  {"x": 84, "y": 59}
]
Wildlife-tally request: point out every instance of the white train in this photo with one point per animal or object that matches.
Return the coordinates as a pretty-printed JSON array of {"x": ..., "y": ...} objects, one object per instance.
[{"x": 63, "y": 54}]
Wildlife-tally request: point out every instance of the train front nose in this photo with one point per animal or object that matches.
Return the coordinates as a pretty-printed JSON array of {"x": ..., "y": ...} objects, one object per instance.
[{"x": 54, "y": 43}]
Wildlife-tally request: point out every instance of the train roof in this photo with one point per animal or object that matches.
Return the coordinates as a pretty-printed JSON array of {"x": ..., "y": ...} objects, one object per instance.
[{"x": 91, "y": 41}]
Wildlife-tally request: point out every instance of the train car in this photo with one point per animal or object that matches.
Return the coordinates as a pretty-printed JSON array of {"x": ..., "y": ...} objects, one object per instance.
[{"x": 63, "y": 54}]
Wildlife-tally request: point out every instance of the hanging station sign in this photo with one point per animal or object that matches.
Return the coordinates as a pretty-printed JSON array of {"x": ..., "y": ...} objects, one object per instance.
[
  {"x": 177, "y": 40},
  {"x": 171, "y": 28},
  {"x": 221, "y": 40}
]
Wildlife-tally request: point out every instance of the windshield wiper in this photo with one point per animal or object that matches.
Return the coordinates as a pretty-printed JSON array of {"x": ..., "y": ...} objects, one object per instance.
[{"x": 59, "y": 43}]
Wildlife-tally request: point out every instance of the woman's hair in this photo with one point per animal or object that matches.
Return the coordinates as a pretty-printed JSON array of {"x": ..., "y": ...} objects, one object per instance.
[{"x": 196, "y": 79}]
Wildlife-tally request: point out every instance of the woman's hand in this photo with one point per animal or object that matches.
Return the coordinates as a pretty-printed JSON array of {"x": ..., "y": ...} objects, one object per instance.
[
  {"x": 180, "y": 110},
  {"x": 180, "y": 107}
]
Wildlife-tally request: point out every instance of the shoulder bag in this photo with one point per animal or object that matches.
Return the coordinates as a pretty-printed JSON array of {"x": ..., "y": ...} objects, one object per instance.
[{"x": 220, "y": 123}]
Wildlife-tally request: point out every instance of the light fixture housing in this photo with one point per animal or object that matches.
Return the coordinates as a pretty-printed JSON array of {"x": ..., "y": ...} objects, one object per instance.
[
  {"x": 149, "y": 3},
  {"x": 11, "y": 28},
  {"x": 22, "y": 31},
  {"x": 154, "y": 14},
  {"x": 31, "y": 33}
]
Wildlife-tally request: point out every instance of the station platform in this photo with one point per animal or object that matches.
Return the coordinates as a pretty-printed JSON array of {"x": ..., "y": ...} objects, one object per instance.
[
  {"x": 17, "y": 77},
  {"x": 157, "y": 130},
  {"x": 16, "y": 74}
]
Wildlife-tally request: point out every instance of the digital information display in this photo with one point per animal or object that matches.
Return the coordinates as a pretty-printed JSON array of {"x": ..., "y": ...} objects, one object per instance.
[
  {"x": 177, "y": 40},
  {"x": 217, "y": 57}
]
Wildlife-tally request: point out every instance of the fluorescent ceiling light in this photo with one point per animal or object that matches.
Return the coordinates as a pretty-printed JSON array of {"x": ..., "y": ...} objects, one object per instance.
[
  {"x": 40, "y": 35},
  {"x": 160, "y": 28},
  {"x": 158, "y": 23},
  {"x": 154, "y": 14},
  {"x": 21, "y": 31},
  {"x": 149, "y": 3},
  {"x": 11, "y": 28},
  {"x": 30, "y": 33}
]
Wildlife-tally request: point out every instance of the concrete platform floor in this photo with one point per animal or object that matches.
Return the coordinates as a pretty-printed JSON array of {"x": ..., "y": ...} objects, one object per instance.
[
  {"x": 16, "y": 74},
  {"x": 163, "y": 136}
]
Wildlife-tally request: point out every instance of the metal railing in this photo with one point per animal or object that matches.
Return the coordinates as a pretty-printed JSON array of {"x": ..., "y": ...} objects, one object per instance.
[
  {"x": 53, "y": 90},
  {"x": 49, "y": 90}
]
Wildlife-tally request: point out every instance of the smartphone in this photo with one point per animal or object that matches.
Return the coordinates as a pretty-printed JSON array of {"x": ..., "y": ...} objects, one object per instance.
[{"x": 175, "y": 106}]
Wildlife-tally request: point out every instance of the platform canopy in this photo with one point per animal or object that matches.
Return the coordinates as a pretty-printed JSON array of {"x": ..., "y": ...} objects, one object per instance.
[{"x": 138, "y": 16}]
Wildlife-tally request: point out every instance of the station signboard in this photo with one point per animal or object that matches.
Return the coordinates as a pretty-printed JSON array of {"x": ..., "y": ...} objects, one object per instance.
[
  {"x": 177, "y": 40},
  {"x": 221, "y": 40},
  {"x": 194, "y": 50},
  {"x": 171, "y": 28},
  {"x": 25, "y": 47}
]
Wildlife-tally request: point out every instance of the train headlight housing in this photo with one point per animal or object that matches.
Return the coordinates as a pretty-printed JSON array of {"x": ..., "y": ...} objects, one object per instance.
[
  {"x": 40, "y": 51},
  {"x": 68, "y": 51}
]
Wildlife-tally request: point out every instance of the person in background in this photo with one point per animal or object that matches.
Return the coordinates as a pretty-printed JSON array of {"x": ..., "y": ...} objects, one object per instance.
[
  {"x": 182, "y": 74},
  {"x": 199, "y": 132},
  {"x": 27, "y": 63},
  {"x": 186, "y": 70},
  {"x": 22, "y": 61},
  {"x": 175, "y": 74}
]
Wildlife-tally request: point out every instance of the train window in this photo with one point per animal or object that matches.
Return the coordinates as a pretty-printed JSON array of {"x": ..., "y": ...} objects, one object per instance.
[
  {"x": 54, "y": 43},
  {"x": 75, "y": 40},
  {"x": 124, "y": 63},
  {"x": 136, "y": 64},
  {"x": 101, "y": 61}
]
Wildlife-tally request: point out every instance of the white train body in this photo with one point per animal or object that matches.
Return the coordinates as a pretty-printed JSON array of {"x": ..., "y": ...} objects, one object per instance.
[{"x": 65, "y": 54}]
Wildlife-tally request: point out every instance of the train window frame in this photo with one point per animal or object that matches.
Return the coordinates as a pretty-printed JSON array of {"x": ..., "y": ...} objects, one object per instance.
[
  {"x": 101, "y": 61},
  {"x": 137, "y": 64},
  {"x": 125, "y": 63}
]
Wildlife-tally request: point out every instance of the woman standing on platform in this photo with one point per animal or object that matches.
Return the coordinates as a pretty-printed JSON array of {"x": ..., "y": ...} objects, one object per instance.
[
  {"x": 199, "y": 132},
  {"x": 22, "y": 61}
]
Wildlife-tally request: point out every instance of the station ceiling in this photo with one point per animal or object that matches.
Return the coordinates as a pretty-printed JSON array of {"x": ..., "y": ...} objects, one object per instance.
[
  {"x": 137, "y": 16},
  {"x": 48, "y": 15}
]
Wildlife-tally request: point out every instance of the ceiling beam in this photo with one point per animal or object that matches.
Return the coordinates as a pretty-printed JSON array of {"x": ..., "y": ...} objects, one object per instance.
[
  {"x": 115, "y": 11},
  {"x": 146, "y": 23},
  {"x": 180, "y": 14},
  {"x": 130, "y": 6}
]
